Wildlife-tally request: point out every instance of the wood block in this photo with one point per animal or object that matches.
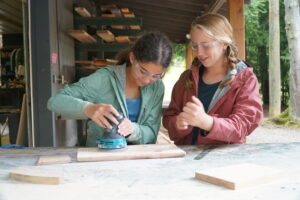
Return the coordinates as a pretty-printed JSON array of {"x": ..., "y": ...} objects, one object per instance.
[
  {"x": 106, "y": 8},
  {"x": 131, "y": 152},
  {"x": 53, "y": 159},
  {"x": 22, "y": 130},
  {"x": 108, "y": 15},
  {"x": 135, "y": 27},
  {"x": 82, "y": 36},
  {"x": 131, "y": 15},
  {"x": 32, "y": 175},
  {"x": 122, "y": 39},
  {"x": 99, "y": 63},
  {"x": 239, "y": 176},
  {"x": 106, "y": 35},
  {"x": 83, "y": 12},
  {"x": 125, "y": 10},
  {"x": 116, "y": 12}
]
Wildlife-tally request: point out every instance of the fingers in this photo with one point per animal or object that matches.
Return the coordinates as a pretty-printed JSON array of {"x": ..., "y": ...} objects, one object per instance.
[
  {"x": 126, "y": 127},
  {"x": 181, "y": 123},
  {"x": 197, "y": 101},
  {"x": 111, "y": 117},
  {"x": 101, "y": 114}
]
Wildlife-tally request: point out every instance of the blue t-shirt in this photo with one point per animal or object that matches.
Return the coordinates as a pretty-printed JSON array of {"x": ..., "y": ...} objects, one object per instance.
[{"x": 134, "y": 108}]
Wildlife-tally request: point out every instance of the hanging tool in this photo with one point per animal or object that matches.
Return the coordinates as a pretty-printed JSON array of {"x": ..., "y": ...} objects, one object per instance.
[{"x": 111, "y": 139}]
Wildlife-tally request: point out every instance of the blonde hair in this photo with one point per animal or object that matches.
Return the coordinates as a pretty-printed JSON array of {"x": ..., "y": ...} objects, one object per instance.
[{"x": 219, "y": 28}]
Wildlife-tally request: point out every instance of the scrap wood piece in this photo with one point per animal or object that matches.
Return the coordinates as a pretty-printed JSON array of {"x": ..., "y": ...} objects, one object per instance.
[
  {"x": 100, "y": 63},
  {"x": 108, "y": 7},
  {"x": 125, "y": 10},
  {"x": 113, "y": 26},
  {"x": 53, "y": 159},
  {"x": 106, "y": 35},
  {"x": 108, "y": 15},
  {"x": 82, "y": 36},
  {"x": 32, "y": 175},
  {"x": 116, "y": 11},
  {"x": 131, "y": 152},
  {"x": 131, "y": 15},
  {"x": 83, "y": 12},
  {"x": 122, "y": 39},
  {"x": 238, "y": 176}
]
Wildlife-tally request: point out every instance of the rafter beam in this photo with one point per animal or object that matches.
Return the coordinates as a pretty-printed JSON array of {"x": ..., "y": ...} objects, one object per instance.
[{"x": 215, "y": 6}]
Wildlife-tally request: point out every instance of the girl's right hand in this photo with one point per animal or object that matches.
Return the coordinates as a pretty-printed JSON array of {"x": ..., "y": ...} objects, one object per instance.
[{"x": 99, "y": 112}]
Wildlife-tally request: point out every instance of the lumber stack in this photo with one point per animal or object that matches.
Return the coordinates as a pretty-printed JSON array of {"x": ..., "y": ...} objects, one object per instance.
[{"x": 107, "y": 11}]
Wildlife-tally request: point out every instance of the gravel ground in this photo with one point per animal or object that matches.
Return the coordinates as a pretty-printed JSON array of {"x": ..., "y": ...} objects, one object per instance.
[
  {"x": 265, "y": 133},
  {"x": 269, "y": 133}
]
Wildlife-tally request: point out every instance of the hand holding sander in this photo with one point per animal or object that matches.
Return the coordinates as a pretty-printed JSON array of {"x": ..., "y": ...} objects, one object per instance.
[{"x": 111, "y": 139}]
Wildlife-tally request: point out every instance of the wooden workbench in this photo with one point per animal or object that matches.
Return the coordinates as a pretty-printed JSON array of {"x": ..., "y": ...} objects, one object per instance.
[{"x": 169, "y": 178}]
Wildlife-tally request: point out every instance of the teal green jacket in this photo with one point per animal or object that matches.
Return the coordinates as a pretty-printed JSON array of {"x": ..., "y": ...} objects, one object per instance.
[{"x": 107, "y": 86}]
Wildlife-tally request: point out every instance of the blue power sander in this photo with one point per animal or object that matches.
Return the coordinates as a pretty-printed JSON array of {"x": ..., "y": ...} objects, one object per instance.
[{"x": 111, "y": 139}]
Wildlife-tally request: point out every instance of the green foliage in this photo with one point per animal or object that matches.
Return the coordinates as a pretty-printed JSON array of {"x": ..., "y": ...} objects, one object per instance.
[
  {"x": 178, "y": 51},
  {"x": 257, "y": 46},
  {"x": 284, "y": 120}
]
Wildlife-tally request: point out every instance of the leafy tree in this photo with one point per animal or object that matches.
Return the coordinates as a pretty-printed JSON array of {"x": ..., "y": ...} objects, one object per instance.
[{"x": 257, "y": 45}]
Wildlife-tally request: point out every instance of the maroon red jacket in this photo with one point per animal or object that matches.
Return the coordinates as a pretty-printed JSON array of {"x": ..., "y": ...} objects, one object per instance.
[{"x": 236, "y": 108}]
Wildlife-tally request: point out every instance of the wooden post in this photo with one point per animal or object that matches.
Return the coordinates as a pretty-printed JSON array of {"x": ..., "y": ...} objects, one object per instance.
[
  {"x": 189, "y": 56},
  {"x": 274, "y": 60},
  {"x": 235, "y": 14}
]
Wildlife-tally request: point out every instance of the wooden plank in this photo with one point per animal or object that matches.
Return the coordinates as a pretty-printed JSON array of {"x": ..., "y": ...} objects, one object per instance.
[
  {"x": 125, "y": 10},
  {"x": 131, "y": 15},
  {"x": 130, "y": 153},
  {"x": 100, "y": 63},
  {"x": 82, "y": 36},
  {"x": 239, "y": 176},
  {"x": 215, "y": 6},
  {"x": 32, "y": 175},
  {"x": 83, "y": 12},
  {"x": 122, "y": 39},
  {"x": 22, "y": 130},
  {"x": 108, "y": 7},
  {"x": 113, "y": 15},
  {"x": 53, "y": 159},
  {"x": 108, "y": 15},
  {"x": 106, "y": 35},
  {"x": 116, "y": 12},
  {"x": 235, "y": 13}
]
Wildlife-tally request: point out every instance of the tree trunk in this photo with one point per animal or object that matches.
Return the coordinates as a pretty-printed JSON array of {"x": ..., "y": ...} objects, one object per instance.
[
  {"x": 274, "y": 59},
  {"x": 292, "y": 21}
]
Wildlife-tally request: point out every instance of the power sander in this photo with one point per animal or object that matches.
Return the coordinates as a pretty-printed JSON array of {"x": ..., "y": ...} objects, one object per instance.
[{"x": 111, "y": 139}]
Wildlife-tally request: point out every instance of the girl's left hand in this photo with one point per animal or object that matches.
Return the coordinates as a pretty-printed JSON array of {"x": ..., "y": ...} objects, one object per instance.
[
  {"x": 195, "y": 115},
  {"x": 126, "y": 127}
]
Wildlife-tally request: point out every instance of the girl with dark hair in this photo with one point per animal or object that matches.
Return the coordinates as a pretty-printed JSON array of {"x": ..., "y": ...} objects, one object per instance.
[
  {"x": 217, "y": 100},
  {"x": 133, "y": 87}
]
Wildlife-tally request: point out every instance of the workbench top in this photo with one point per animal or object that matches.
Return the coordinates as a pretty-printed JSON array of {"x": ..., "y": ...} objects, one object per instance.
[{"x": 168, "y": 178}]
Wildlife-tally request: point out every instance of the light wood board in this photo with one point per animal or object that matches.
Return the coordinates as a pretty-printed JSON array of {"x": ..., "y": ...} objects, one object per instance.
[
  {"x": 32, "y": 175},
  {"x": 83, "y": 12},
  {"x": 22, "y": 130},
  {"x": 131, "y": 152},
  {"x": 82, "y": 36},
  {"x": 239, "y": 176},
  {"x": 106, "y": 35},
  {"x": 53, "y": 159}
]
